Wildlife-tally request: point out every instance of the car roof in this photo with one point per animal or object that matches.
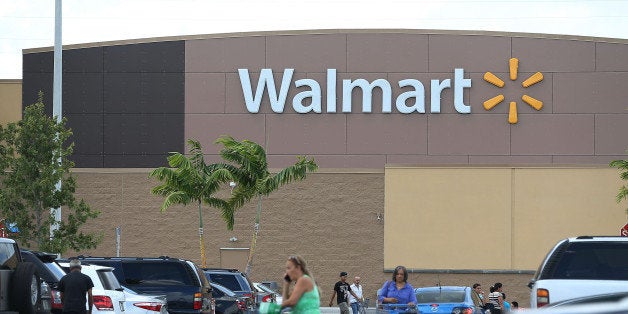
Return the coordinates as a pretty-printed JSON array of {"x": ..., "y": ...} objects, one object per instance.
[
  {"x": 127, "y": 258},
  {"x": 43, "y": 256},
  {"x": 223, "y": 270},
  {"x": 93, "y": 266},
  {"x": 598, "y": 238},
  {"x": 7, "y": 240}
]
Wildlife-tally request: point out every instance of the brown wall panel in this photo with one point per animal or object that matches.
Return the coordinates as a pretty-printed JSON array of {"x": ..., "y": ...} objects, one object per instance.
[
  {"x": 306, "y": 134},
  {"x": 387, "y": 53},
  {"x": 544, "y": 134},
  {"x": 386, "y": 134},
  {"x": 205, "y": 93},
  {"x": 455, "y": 134},
  {"x": 598, "y": 92},
  {"x": 309, "y": 53},
  {"x": 610, "y": 131},
  {"x": 206, "y": 128},
  {"x": 225, "y": 54},
  {"x": 554, "y": 55},
  {"x": 611, "y": 57},
  {"x": 473, "y": 53}
]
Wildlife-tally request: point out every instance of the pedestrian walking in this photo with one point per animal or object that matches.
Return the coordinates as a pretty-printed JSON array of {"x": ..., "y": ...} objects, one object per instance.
[
  {"x": 342, "y": 289},
  {"x": 76, "y": 290},
  {"x": 496, "y": 298},
  {"x": 398, "y": 291},
  {"x": 354, "y": 302}
]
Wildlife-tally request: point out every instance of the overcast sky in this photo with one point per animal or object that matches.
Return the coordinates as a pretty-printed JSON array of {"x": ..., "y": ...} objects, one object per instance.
[{"x": 30, "y": 23}]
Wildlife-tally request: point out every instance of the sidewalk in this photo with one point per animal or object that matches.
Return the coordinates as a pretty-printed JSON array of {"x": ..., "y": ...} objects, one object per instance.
[{"x": 336, "y": 310}]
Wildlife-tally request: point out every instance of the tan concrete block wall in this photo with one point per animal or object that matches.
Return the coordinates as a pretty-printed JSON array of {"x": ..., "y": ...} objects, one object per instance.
[
  {"x": 10, "y": 101},
  {"x": 330, "y": 219}
]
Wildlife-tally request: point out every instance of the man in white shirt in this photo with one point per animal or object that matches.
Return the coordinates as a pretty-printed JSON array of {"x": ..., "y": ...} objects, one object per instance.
[{"x": 356, "y": 287}]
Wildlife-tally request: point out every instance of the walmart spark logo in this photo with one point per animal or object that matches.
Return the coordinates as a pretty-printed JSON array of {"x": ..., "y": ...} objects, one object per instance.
[{"x": 512, "y": 113}]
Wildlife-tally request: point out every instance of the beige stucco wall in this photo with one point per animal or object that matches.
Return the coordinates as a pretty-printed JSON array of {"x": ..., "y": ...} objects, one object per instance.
[
  {"x": 505, "y": 218},
  {"x": 10, "y": 101}
]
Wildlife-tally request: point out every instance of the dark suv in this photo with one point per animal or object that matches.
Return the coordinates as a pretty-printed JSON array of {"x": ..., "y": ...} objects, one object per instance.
[
  {"x": 186, "y": 288},
  {"x": 49, "y": 271},
  {"x": 233, "y": 280}
]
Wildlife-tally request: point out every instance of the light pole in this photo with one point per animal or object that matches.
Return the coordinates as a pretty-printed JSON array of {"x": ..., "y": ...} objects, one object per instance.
[{"x": 56, "y": 101}]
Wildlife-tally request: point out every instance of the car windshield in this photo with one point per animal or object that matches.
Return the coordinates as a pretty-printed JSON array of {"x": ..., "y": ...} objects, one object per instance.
[
  {"x": 55, "y": 269},
  {"x": 593, "y": 260},
  {"x": 265, "y": 288},
  {"x": 443, "y": 296},
  {"x": 228, "y": 280},
  {"x": 158, "y": 273}
]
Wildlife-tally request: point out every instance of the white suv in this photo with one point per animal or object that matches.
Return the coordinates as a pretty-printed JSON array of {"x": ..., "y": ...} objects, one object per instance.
[
  {"x": 107, "y": 292},
  {"x": 582, "y": 266}
]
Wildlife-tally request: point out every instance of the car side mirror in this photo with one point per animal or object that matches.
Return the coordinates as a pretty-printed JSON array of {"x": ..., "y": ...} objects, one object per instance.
[{"x": 531, "y": 283}]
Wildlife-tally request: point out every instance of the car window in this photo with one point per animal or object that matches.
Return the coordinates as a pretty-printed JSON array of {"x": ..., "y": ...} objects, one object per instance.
[
  {"x": 440, "y": 296},
  {"x": 8, "y": 256},
  {"x": 228, "y": 280},
  {"x": 593, "y": 260},
  {"x": 217, "y": 293},
  {"x": 108, "y": 279},
  {"x": 158, "y": 273}
]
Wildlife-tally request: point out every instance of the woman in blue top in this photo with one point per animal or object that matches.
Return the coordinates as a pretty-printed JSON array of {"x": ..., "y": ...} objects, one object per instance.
[{"x": 398, "y": 291}]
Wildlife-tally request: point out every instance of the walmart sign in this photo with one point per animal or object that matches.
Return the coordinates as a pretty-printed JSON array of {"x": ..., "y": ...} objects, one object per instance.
[{"x": 411, "y": 101}]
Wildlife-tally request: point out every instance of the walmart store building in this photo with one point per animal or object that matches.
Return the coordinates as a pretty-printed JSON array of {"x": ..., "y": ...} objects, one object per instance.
[{"x": 464, "y": 156}]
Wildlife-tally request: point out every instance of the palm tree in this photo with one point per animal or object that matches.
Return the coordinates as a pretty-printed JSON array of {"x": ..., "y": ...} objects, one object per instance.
[
  {"x": 623, "y": 190},
  {"x": 190, "y": 180},
  {"x": 250, "y": 172}
]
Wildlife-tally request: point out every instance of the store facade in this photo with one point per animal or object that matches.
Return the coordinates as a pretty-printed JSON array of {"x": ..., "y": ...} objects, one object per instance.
[{"x": 462, "y": 155}]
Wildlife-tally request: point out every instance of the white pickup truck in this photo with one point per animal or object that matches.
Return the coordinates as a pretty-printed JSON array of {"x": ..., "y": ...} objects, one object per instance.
[{"x": 579, "y": 267}]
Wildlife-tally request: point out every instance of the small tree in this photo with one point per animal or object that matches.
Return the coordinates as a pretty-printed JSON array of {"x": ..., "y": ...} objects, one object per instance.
[
  {"x": 254, "y": 180},
  {"x": 34, "y": 159},
  {"x": 623, "y": 190},
  {"x": 190, "y": 180}
]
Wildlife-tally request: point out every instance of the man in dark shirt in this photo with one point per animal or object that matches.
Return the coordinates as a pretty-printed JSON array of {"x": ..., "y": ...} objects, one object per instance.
[
  {"x": 74, "y": 287},
  {"x": 342, "y": 289}
]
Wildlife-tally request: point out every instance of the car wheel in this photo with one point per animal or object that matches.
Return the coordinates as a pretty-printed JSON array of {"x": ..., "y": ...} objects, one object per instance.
[{"x": 25, "y": 288}]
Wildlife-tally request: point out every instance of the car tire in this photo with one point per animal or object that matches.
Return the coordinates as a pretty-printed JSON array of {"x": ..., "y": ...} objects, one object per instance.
[{"x": 25, "y": 288}]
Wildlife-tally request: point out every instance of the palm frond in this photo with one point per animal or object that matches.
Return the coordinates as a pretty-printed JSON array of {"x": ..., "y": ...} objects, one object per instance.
[
  {"x": 196, "y": 154},
  {"x": 622, "y": 194},
  {"x": 296, "y": 172},
  {"x": 176, "y": 197}
]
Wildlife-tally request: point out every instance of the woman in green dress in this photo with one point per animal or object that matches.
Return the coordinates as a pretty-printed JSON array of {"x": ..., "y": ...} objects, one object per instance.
[{"x": 304, "y": 298}]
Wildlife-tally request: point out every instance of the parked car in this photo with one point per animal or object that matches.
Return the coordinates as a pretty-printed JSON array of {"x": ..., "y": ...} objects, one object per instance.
[
  {"x": 610, "y": 306},
  {"x": 227, "y": 301},
  {"x": 235, "y": 281},
  {"x": 269, "y": 295},
  {"x": 50, "y": 272},
  {"x": 593, "y": 299},
  {"x": 107, "y": 292},
  {"x": 445, "y": 299},
  {"x": 136, "y": 303},
  {"x": 21, "y": 287},
  {"x": 181, "y": 281},
  {"x": 582, "y": 266}
]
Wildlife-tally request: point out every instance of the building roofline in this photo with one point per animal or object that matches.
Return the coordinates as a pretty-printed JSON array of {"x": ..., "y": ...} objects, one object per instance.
[{"x": 327, "y": 32}]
